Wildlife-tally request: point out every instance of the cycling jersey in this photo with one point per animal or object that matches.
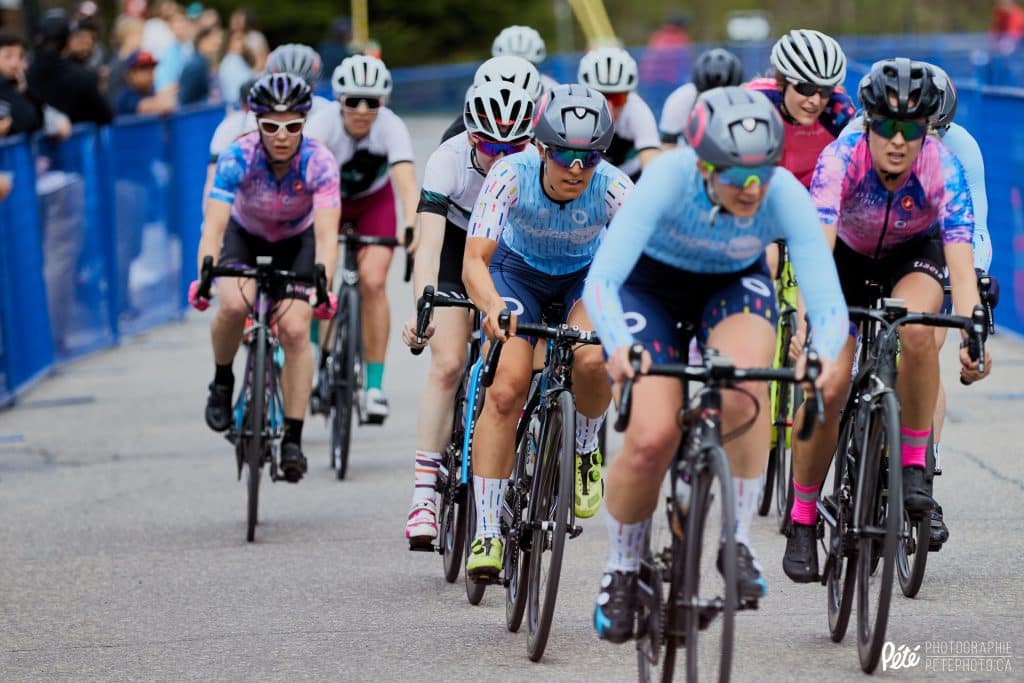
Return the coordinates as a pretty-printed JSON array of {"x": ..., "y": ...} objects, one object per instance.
[
  {"x": 269, "y": 208},
  {"x": 849, "y": 196},
  {"x": 674, "y": 113},
  {"x": 451, "y": 182},
  {"x": 671, "y": 219},
  {"x": 963, "y": 145},
  {"x": 635, "y": 131},
  {"x": 554, "y": 238},
  {"x": 364, "y": 162},
  {"x": 238, "y": 123},
  {"x": 803, "y": 144}
]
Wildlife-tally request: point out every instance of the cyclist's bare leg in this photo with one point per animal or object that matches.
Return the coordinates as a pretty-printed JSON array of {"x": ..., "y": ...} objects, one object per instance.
[
  {"x": 939, "y": 418},
  {"x": 918, "y": 382},
  {"x": 651, "y": 439},
  {"x": 297, "y": 374},
  {"x": 495, "y": 430},
  {"x": 591, "y": 387},
  {"x": 771, "y": 255},
  {"x": 447, "y": 361},
  {"x": 374, "y": 262},
  {"x": 235, "y": 296}
]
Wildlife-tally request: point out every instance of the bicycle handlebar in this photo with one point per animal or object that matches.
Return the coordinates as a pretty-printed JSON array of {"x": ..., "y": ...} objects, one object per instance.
[
  {"x": 425, "y": 306},
  {"x": 351, "y": 237},
  {"x": 263, "y": 271},
  {"x": 561, "y": 334}
]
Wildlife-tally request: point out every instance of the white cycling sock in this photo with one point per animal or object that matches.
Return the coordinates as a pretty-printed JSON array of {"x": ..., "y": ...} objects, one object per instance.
[
  {"x": 625, "y": 543},
  {"x": 427, "y": 465},
  {"x": 746, "y": 492},
  {"x": 488, "y": 506},
  {"x": 587, "y": 430}
]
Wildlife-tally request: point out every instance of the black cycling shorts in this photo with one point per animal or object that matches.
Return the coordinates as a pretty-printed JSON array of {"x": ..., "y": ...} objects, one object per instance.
[
  {"x": 449, "y": 274},
  {"x": 297, "y": 254},
  {"x": 855, "y": 269}
]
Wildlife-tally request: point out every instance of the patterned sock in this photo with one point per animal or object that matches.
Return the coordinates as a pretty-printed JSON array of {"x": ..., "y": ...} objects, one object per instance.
[
  {"x": 746, "y": 492},
  {"x": 805, "y": 498},
  {"x": 427, "y": 465},
  {"x": 587, "y": 430},
  {"x": 626, "y": 542},
  {"x": 488, "y": 506},
  {"x": 935, "y": 450},
  {"x": 913, "y": 442},
  {"x": 374, "y": 375}
]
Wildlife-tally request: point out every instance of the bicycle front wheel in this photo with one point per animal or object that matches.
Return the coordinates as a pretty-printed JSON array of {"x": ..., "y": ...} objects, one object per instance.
[
  {"x": 344, "y": 357},
  {"x": 709, "y": 597},
  {"x": 912, "y": 548},
  {"x": 516, "y": 562},
  {"x": 257, "y": 417},
  {"x": 451, "y": 514},
  {"x": 880, "y": 498},
  {"x": 841, "y": 560},
  {"x": 550, "y": 507}
]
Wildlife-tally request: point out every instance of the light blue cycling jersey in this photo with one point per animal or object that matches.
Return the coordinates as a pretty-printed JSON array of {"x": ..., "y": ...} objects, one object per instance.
[
  {"x": 556, "y": 238},
  {"x": 963, "y": 145},
  {"x": 670, "y": 219}
]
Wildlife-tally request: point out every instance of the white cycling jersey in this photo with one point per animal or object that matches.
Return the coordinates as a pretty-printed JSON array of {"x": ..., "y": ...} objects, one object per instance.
[
  {"x": 547, "y": 83},
  {"x": 451, "y": 181},
  {"x": 674, "y": 113},
  {"x": 238, "y": 123},
  {"x": 635, "y": 130},
  {"x": 364, "y": 162}
]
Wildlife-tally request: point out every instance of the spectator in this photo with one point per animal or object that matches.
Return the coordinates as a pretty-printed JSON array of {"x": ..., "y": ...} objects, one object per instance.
[
  {"x": 235, "y": 69},
  {"x": 335, "y": 47},
  {"x": 60, "y": 82},
  {"x": 198, "y": 78},
  {"x": 127, "y": 38},
  {"x": 139, "y": 96},
  {"x": 23, "y": 114},
  {"x": 668, "y": 54},
  {"x": 82, "y": 43},
  {"x": 172, "y": 61},
  {"x": 6, "y": 184},
  {"x": 157, "y": 35},
  {"x": 1007, "y": 25},
  {"x": 208, "y": 19},
  {"x": 240, "y": 20},
  {"x": 259, "y": 50}
]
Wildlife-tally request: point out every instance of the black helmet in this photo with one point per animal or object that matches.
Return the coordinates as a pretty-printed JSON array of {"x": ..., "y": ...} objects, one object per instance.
[
  {"x": 899, "y": 89},
  {"x": 734, "y": 126},
  {"x": 280, "y": 93},
  {"x": 946, "y": 110},
  {"x": 576, "y": 117},
  {"x": 54, "y": 28},
  {"x": 716, "y": 68}
]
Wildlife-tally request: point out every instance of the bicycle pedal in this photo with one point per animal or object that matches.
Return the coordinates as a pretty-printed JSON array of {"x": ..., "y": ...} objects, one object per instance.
[
  {"x": 487, "y": 579},
  {"x": 575, "y": 531},
  {"x": 422, "y": 546},
  {"x": 749, "y": 603},
  {"x": 375, "y": 420}
]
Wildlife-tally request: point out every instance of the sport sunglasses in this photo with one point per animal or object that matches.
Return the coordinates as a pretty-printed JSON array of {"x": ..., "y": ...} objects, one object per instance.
[
  {"x": 352, "y": 102},
  {"x": 809, "y": 89},
  {"x": 743, "y": 176},
  {"x": 272, "y": 127},
  {"x": 887, "y": 128},
  {"x": 492, "y": 148},
  {"x": 587, "y": 158}
]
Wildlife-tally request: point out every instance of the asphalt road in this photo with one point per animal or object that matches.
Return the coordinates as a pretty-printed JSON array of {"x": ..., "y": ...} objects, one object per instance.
[{"x": 122, "y": 551}]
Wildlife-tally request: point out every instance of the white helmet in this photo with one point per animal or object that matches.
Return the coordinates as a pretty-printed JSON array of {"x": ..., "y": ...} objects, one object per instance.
[
  {"x": 809, "y": 56},
  {"x": 608, "y": 69},
  {"x": 510, "y": 69},
  {"x": 501, "y": 111},
  {"x": 519, "y": 41},
  {"x": 361, "y": 75}
]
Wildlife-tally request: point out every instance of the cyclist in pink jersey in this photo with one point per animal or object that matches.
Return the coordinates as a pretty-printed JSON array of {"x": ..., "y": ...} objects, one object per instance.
[
  {"x": 275, "y": 194},
  {"x": 896, "y": 206}
]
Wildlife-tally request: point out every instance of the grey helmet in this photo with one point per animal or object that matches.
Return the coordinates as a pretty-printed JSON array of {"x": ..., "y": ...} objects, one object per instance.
[
  {"x": 943, "y": 116},
  {"x": 575, "y": 117},
  {"x": 734, "y": 126},
  {"x": 298, "y": 59}
]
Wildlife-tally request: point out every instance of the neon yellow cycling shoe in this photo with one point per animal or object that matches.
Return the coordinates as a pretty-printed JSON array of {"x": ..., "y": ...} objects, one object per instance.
[
  {"x": 484, "y": 563},
  {"x": 589, "y": 484}
]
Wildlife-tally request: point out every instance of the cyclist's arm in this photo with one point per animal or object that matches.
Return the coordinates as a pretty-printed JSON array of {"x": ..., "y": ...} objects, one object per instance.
[
  {"x": 499, "y": 194},
  {"x": 216, "y": 215},
  {"x": 428, "y": 253},
  {"x": 403, "y": 174},
  {"x": 646, "y": 136},
  {"x": 325, "y": 231},
  {"x": 324, "y": 181},
  {"x": 476, "y": 274},
  {"x": 231, "y": 169},
  {"x": 966, "y": 149}
]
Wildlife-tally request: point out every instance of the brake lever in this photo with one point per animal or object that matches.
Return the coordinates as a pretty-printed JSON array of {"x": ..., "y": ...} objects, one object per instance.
[
  {"x": 494, "y": 353},
  {"x": 205, "y": 278},
  {"x": 976, "y": 339},
  {"x": 424, "y": 310},
  {"x": 636, "y": 353},
  {"x": 407, "y": 241},
  {"x": 815, "y": 411}
]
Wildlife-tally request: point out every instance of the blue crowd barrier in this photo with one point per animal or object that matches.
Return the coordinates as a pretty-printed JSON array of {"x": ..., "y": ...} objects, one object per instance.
[{"x": 94, "y": 236}]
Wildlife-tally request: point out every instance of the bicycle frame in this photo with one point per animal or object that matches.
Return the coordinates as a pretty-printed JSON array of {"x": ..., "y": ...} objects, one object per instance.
[{"x": 259, "y": 314}]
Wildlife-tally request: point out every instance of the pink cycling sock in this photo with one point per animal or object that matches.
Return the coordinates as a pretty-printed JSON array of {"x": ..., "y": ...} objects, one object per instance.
[
  {"x": 913, "y": 442},
  {"x": 805, "y": 510}
]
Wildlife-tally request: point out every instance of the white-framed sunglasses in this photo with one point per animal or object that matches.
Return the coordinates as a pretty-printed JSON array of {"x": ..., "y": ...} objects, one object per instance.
[{"x": 272, "y": 127}]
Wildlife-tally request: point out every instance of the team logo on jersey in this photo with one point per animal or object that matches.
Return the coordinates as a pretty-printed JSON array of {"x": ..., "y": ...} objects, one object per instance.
[
  {"x": 635, "y": 321},
  {"x": 298, "y": 186},
  {"x": 580, "y": 217},
  {"x": 907, "y": 203}
]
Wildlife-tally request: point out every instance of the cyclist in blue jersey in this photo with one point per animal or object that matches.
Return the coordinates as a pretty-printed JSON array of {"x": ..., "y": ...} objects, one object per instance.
[
  {"x": 895, "y": 204},
  {"x": 275, "y": 194},
  {"x": 532, "y": 235},
  {"x": 688, "y": 247}
]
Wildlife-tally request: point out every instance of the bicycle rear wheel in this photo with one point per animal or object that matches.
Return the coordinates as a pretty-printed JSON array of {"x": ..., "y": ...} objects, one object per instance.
[
  {"x": 881, "y": 517},
  {"x": 659, "y": 630},
  {"x": 516, "y": 562},
  {"x": 451, "y": 514},
  {"x": 257, "y": 417},
  {"x": 550, "y": 506},
  {"x": 709, "y": 596},
  {"x": 345, "y": 356}
]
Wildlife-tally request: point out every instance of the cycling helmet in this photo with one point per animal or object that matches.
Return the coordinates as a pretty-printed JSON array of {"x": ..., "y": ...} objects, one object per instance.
[
  {"x": 576, "y": 117},
  {"x": 735, "y": 126},
  {"x": 608, "y": 69},
  {"x": 717, "y": 68},
  {"x": 280, "y": 93},
  {"x": 899, "y": 89},
  {"x": 510, "y": 69},
  {"x": 361, "y": 75},
  {"x": 500, "y": 111},
  {"x": 54, "y": 28},
  {"x": 295, "y": 58},
  {"x": 519, "y": 41},
  {"x": 809, "y": 56},
  {"x": 946, "y": 110}
]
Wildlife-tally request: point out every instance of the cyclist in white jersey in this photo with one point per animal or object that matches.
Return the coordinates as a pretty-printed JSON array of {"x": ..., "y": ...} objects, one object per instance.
[
  {"x": 374, "y": 150},
  {"x": 613, "y": 73},
  {"x": 714, "y": 68},
  {"x": 525, "y": 42},
  {"x": 499, "y": 122},
  {"x": 532, "y": 235},
  {"x": 504, "y": 69}
]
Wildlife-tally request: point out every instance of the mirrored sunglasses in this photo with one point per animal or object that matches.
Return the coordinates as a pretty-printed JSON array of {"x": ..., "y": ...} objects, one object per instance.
[
  {"x": 493, "y": 148},
  {"x": 352, "y": 102},
  {"x": 809, "y": 89},
  {"x": 587, "y": 158},
  {"x": 743, "y": 176},
  {"x": 272, "y": 127},
  {"x": 887, "y": 128}
]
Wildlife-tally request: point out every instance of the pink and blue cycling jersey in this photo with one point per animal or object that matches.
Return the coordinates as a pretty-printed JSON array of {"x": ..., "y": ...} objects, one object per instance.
[
  {"x": 269, "y": 208},
  {"x": 849, "y": 195}
]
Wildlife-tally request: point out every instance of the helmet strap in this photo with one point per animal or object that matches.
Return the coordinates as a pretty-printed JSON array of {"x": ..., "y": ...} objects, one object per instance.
[{"x": 716, "y": 206}]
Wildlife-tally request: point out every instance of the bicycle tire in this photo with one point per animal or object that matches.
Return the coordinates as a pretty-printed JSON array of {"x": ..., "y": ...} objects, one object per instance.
[
  {"x": 550, "y": 502},
  {"x": 257, "y": 418},
  {"x": 840, "y": 563},
  {"x": 474, "y": 590},
  {"x": 878, "y": 509},
  {"x": 913, "y": 547},
  {"x": 764, "y": 498},
  {"x": 516, "y": 560},
  {"x": 345, "y": 358},
  {"x": 656, "y": 645},
  {"x": 451, "y": 516},
  {"x": 700, "y": 502}
]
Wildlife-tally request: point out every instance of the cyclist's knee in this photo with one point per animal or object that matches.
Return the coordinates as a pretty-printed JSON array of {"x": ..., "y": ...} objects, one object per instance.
[
  {"x": 649, "y": 448},
  {"x": 233, "y": 309},
  {"x": 505, "y": 398},
  {"x": 293, "y": 333},
  {"x": 739, "y": 406},
  {"x": 589, "y": 363},
  {"x": 372, "y": 282},
  {"x": 446, "y": 370},
  {"x": 917, "y": 342}
]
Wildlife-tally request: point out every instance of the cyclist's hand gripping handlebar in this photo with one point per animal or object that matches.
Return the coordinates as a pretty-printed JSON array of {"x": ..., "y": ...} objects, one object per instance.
[
  {"x": 636, "y": 354},
  {"x": 815, "y": 411},
  {"x": 494, "y": 353},
  {"x": 424, "y": 310},
  {"x": 976, "y": 339}
]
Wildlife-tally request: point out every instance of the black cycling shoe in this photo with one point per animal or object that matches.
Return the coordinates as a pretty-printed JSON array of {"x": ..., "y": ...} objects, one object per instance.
[
  {"x": 939, "y": 532},
  {"x": 615, "y": 612},
  {"x": 750, "y": 584},
  {"x": 800, "y": 563},
  {"x": 293, "y": 462},
  {"x": 916, "y": 498},
  {"x": 218, "y": 407}
]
